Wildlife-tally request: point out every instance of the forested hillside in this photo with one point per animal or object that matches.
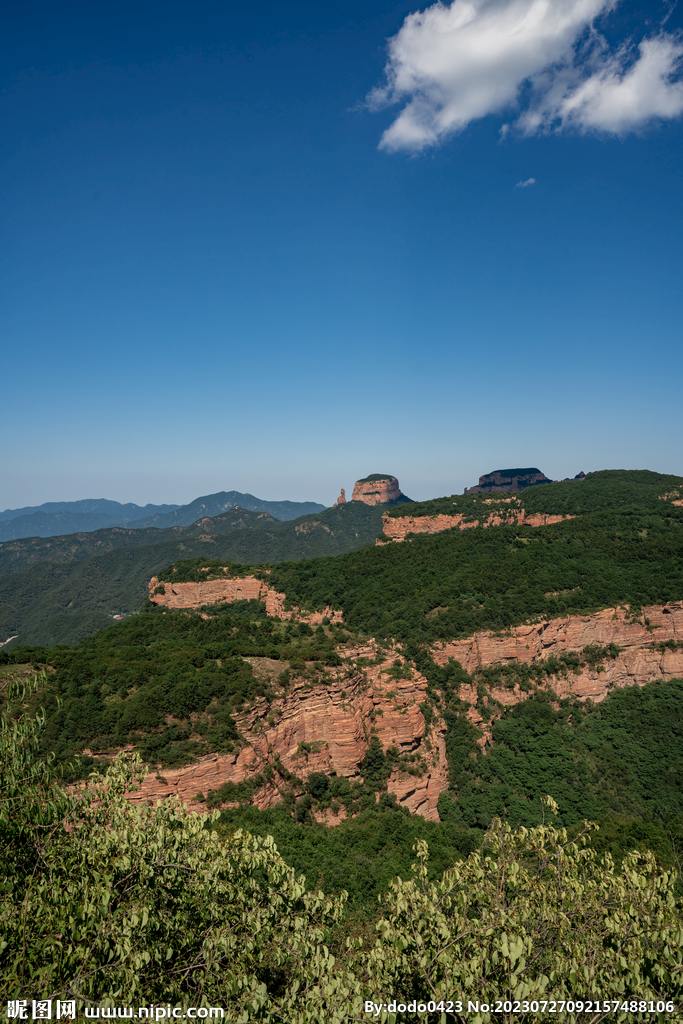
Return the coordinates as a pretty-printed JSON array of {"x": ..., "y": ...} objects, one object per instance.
[
  {"x": 60, "y": 590},
  {"x": 185, "y": 689},
  {"x": 607, "y": 489},
  {"x": 624, "y": 546}
]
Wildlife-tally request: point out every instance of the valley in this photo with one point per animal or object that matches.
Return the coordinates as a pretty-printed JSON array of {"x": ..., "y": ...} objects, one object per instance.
[
  {"x": 440, "y": 672},
  {"x": 260, "y": 676}
]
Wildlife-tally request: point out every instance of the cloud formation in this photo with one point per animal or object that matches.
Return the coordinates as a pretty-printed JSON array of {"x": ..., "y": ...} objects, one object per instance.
[
  {"x": 526, "y": 184},
  {"x": 451, "y": 65}
]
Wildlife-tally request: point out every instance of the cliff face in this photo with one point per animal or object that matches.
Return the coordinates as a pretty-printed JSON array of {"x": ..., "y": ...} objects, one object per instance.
[
  {"x": 398, "y": 527},
  {"x": 376, "y": 492},
  {"x": 508, "y": 480},
  {"x": 639, "y": 661},
  {"x": 328, "y": 728},
  {"x": 243, "y": 588}
]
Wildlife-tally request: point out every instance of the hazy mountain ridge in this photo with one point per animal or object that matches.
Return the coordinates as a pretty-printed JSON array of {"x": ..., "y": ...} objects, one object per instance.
[
  {"x": 61, "y": 590},
  {"x": 102, "y": 506},
  {"x": 56, "y": 519},
  {"x": 21, "y": 554},
  {"x": 215, "y": 504}
]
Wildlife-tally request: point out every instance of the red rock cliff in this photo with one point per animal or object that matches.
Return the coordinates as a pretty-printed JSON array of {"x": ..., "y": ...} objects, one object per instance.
[
  {"x": 639, "y": 661},
  {"x": 241, "y": 588},
  {"x": 398, "y": 527},
  {"x": 377, "y": 491},
  {"x": 328, "y": 727}
]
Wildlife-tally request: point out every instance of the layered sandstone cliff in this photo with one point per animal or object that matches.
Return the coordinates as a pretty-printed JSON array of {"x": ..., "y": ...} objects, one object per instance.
[
  {"x": 328, "y": 726},
  {"x": 229, "y": 589},
  {"x": 398, "y": 527},
  {"x": 376, "y": 490},
  {"x": 642, "y": 657}
]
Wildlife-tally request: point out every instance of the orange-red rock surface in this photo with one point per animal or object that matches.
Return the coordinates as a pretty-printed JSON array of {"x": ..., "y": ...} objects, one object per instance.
[
  {"x": 637, "y": 661},
  {"x": 398, "y": 527},
  {"x": 376, "y": 492},
  {"x": 335, "y": 721},
  {"x": 241, "y": 588}
]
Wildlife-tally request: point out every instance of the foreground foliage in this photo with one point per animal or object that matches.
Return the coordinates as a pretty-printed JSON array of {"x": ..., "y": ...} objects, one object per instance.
[{"x": 109, "y": 902}]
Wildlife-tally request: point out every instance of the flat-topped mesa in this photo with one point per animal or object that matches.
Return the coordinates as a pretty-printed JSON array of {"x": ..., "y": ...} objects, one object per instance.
[
  {"x": 378, "y": 489},
  {"x": 510, "y": 480}
]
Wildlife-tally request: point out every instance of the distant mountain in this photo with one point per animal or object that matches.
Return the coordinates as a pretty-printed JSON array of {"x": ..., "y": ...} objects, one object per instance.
[
  {"x": 60, "y": 518},
  {"x": 56, "y": 518},
  {"x": 61, "y": 589},
  {"x": 214, "y": 504},
  {"x": 21, "y": 553},
  {"x": 127, "y": 513}
]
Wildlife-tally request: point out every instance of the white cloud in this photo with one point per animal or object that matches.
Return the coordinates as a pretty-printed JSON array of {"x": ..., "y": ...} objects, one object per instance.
[
  {"x": 618, "y": 98},
  {"x": 451, "y": 65},
  {"x": 526, "y": 184}
]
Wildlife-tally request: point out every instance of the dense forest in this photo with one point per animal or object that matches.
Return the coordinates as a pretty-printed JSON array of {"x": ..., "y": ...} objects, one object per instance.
[
  {"x": 452, "y": 584},
  {"x": 170, "y": 686},
  {"x": 607, "y": 489},
  {"x": 63, "y": 589}
]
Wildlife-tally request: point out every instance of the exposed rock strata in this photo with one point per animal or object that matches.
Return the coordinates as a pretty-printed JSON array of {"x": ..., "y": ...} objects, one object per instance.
[
  {"x": 326, "y": 728},
  {"x": 335, "y": 722},
  {"x": 241, "y": 588},
  {"x": 398, "y": 527},
  {"x": 376, "y": 492},
  {"x": 508, "y": 480},
  {"x": 638, "y": 661}
]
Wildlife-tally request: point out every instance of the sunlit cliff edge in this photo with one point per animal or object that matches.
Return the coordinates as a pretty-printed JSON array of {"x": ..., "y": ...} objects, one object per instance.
[{"x": 328, "y": 728}]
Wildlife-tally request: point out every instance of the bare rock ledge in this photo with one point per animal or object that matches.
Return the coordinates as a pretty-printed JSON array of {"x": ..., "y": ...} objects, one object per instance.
[{"x": 327, "y": 728}]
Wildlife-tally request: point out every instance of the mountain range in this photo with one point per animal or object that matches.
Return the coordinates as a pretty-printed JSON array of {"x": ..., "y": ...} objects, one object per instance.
[
  {"x": 58, "y": 518},
  {"x": 61, "y": 589}
]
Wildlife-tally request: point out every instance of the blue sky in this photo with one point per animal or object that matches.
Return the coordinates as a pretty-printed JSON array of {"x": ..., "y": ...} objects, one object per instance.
[{"x": 279, "y": 247}]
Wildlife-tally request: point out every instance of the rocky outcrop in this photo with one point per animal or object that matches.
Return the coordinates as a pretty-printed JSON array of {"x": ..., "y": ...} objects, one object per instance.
[
  {"x": 508, "y": 480},
  {"x": 514, "y": 480},
  {"x": 341, "y": 500},
  {"x": 398, "y": 527},
  {"x": 642, "y": 655},
  {"x": 327, "y": 728},
  {"x": 229, "y": 589},
  {"x": 314, "y": 727},
  {"x": 376, "y": 490}
]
